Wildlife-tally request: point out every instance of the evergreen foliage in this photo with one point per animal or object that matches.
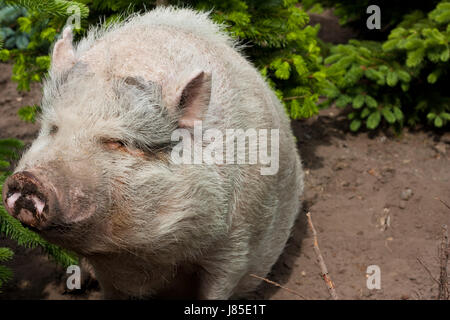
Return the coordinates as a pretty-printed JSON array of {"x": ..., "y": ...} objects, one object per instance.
[
  {"x": 10, "y": 36},
  {"x": 403, "y": 80},
  {"x": 353, "y": 14},
  {"x": 5, "y": 273}
]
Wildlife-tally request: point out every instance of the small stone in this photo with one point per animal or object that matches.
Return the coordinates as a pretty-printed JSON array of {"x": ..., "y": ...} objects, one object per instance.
[
  {"x": 402, "y": 204},
  {"x": 406, "y": 194},
  {"x": 440, "y": 148},
  {"x": 340, "y": 165}
]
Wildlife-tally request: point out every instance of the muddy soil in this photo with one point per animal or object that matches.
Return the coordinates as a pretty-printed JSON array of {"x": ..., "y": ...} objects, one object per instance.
[{"x": 375, "y": 199}]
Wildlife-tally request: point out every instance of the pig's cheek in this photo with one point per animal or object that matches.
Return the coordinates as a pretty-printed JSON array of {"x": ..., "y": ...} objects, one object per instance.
[
  {"x": 113, "y": 231},
  {"x": 81, "y": 205},
  {"x": 118, "y": 216},
  {"x": 118, "y": 225}
]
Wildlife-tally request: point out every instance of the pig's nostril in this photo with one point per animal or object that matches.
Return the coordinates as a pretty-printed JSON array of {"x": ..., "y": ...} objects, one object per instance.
[
  {"x": 12, "y": 199},
  {"x": 38, "y": 203}
]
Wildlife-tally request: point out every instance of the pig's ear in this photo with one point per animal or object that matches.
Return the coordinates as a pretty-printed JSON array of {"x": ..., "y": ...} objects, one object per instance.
[
  {"x": 193, "y": 98},
  {"x": 63, "y": 57}
]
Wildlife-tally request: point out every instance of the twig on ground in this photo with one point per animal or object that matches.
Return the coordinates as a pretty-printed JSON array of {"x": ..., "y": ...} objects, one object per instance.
[
  {"x": 427, "y": 270},
  {"x": 443, "y": 202},
  {"x": 278, "y": 285},
  {"x": 321, "y": 261},
  {"x": 443, "y": 257}
]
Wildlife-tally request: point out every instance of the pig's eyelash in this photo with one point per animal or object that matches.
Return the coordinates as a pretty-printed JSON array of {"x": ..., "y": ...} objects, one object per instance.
[{"x": 161, "y": 147}]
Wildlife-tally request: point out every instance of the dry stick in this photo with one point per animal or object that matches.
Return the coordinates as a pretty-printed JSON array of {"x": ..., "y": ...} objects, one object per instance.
[
  {"x": 277, "y": 285},
  {"x": 443, "y": 202},
  {"x": 443, "y": 257},
  {"x": 322, "y": 264},
  {"x": 428, "y": 270}
]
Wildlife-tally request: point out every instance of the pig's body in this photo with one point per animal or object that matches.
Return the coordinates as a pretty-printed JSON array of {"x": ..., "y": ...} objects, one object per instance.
[{"x": 157, "y": 228}]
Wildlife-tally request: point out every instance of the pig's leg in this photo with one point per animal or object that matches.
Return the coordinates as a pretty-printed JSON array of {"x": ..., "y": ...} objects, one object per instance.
[
  {"x": 218, "y": 284},
  {"x": 222, "y": 271}
]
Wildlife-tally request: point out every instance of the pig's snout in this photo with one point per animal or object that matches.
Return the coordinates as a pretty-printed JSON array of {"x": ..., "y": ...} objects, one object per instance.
[{"x": 27, "y": 199}]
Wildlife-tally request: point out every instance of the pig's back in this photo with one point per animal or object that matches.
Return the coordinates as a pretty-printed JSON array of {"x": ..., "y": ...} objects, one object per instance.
[{"x": 165, "y": 45}]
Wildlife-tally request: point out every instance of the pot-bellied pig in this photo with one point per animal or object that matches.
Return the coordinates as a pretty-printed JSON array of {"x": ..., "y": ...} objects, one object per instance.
[{"x": 110, "y": 175}]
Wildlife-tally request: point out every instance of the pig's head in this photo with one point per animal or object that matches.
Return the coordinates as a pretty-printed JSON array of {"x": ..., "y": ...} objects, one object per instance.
[{"x": 99, "y": 176}]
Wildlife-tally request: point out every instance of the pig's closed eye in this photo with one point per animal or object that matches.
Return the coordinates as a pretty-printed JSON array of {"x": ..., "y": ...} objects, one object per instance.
[
  {"x": 117, "y": 145},
  {"x": 113, "y": 144}
]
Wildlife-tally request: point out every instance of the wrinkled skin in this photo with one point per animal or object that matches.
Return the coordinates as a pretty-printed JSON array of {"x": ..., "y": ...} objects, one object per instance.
[{"x": 99, "y": 179}]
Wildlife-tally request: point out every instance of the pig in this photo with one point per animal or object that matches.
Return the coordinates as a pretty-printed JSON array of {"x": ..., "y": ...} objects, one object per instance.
[{"x": 100, "y": 180}]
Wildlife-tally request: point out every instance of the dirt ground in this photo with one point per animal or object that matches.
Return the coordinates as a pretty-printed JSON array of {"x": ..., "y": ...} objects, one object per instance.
[{"x": 373, "y": 199}]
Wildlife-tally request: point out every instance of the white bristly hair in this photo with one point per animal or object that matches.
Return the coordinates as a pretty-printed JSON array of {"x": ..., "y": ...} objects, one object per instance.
[{"x": 109, "y": 140}]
